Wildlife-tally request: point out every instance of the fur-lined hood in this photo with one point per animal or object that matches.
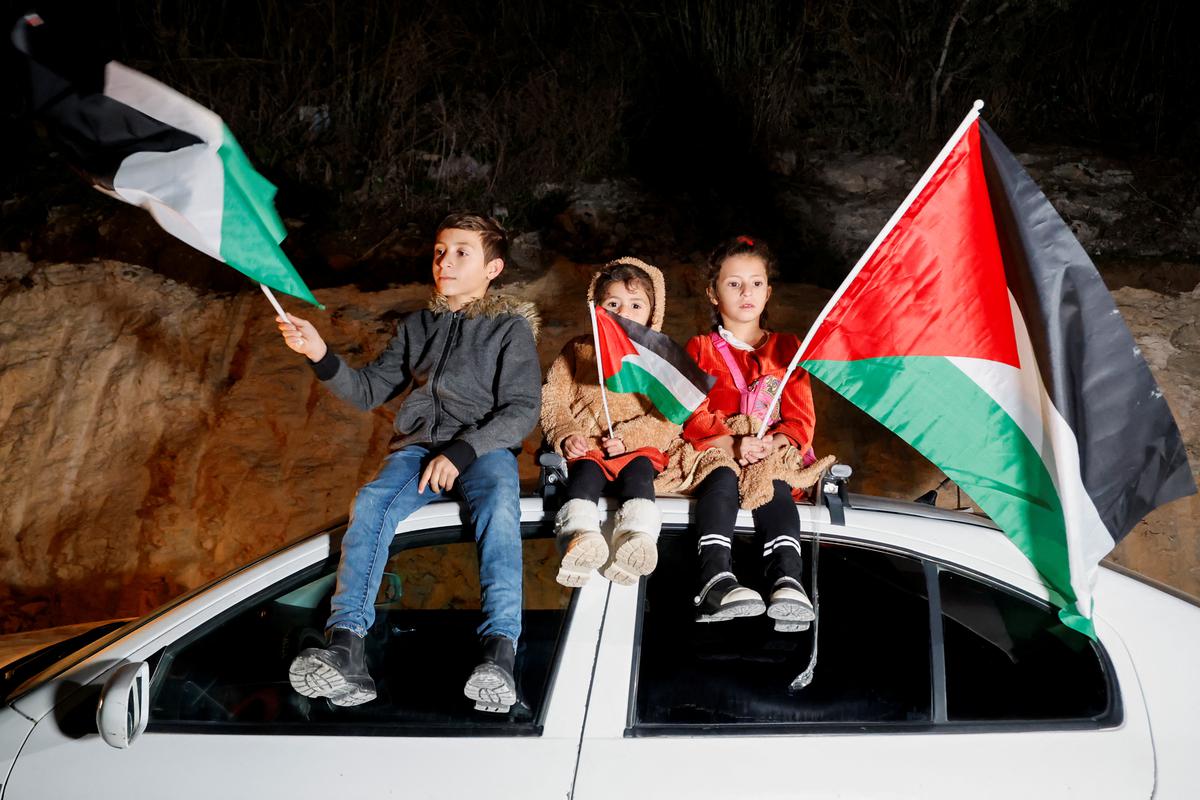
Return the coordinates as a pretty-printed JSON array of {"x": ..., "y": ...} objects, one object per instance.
[
  {"x": 659, "y": 287},
  {"x": 493, "y": 304}
]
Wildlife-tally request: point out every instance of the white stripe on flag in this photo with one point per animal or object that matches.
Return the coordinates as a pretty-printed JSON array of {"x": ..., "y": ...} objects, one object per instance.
[
  {"x": 684, "y": 390},
  {"x": 1021, "y": 394},
  {"x": 184, "y": 190},
  {"x": 160, "y": 101}
]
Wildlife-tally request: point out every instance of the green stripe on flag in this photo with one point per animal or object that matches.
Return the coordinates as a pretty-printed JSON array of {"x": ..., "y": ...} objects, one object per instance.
[
  {"x": 632, "y": 378},
  {"x": 251, "y": 230},
  {"x": 950, "y": 420}
]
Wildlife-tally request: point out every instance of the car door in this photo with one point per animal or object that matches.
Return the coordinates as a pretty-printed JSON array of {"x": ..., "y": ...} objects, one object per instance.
[
  {"x": 224, "y": 721},
  {"x": 931, "y": 681}
]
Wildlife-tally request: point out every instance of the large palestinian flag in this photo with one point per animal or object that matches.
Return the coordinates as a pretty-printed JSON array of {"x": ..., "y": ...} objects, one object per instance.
[
  {"x": 150, "y": 146},
  {"x": 977, "y": 329},
  {"x": 634, "y": 358}
]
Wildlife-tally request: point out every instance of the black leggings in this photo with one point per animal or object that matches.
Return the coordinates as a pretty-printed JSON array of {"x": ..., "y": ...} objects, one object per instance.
[
  {"x": 587, "y": 480},
  {"x": 776, "y": 527}
]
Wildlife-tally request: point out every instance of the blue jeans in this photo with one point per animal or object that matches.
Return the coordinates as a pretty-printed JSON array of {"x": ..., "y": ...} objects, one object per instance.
[{"x": 493, "y": 495}]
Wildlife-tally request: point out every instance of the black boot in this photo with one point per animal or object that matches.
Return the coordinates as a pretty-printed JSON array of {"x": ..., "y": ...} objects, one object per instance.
[
  {"x": 723, "y": 598},
  {"x": 337, "y": 671},
  {"x": 492, "y": 685}
]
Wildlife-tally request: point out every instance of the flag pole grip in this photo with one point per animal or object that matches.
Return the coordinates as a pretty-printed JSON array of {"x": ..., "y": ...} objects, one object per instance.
[
  {"x": 600, "y": 367},
  {"x": 275, "y": 303}
]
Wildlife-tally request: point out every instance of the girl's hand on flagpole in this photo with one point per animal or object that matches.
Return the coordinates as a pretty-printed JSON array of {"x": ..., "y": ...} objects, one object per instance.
[
  {"x": 575, "y": 446},
  {"x": 779, "y": 441},
  {"x": 750, "y": 450},
  {"x": 300, "y": 335},
  {"x": 613, "y": 446}
]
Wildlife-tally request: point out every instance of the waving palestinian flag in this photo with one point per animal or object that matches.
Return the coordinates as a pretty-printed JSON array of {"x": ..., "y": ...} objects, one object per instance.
[
  {"x": 637, "y": 359},
  {"x": 977, "y": 329},
  {"x": 150, "y": 146}
]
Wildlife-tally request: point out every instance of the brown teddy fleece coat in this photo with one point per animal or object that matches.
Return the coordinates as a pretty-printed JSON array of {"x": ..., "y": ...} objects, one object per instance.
[{"x": 571, "y": 403}]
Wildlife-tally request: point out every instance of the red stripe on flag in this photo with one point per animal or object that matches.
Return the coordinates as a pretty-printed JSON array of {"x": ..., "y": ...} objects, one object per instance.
[
  {"x": 936, "y": 285},
  {"x": 614, "y": 343}
]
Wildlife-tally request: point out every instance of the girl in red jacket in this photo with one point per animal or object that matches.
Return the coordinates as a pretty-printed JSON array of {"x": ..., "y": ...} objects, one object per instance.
[{"x": 748, "y": 362}]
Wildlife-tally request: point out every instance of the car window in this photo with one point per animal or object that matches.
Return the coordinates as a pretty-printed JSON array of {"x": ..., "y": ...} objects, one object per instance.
[
  {"x": 231, "y": 674},
  {"x": 1010, "y": 659},
  {"x": 874, "y": 660}
]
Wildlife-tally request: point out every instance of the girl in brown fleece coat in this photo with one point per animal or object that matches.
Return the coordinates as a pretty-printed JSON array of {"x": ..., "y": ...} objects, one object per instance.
[{"x": 628, "y": 461}]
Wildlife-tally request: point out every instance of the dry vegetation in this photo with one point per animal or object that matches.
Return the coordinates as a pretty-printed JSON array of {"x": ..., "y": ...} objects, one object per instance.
[{"x": 420, "y": 105}]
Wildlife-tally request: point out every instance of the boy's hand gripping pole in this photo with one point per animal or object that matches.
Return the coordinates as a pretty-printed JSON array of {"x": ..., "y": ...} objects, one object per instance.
[
  {"x": 275, "y": 303},
  {"x": 600, "y": 366}
]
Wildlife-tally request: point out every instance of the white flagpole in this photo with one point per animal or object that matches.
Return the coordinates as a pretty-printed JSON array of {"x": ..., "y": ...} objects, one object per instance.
[
  {"x": 600, "y": 366},
  {"x": 271, "y": 297},
  {"x": 971, "y": 116}
]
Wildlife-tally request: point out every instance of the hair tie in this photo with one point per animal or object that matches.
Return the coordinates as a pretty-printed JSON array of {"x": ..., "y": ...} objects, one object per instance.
[{"x": 746, "y": 240}]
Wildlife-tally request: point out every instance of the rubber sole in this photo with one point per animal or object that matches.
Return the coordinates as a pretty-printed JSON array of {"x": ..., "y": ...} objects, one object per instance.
[
  {"x": 791, "y": 627},
  {"x": 790, "y": 611},
  {"x": 636, "y": 556},
  {"x": 585, "y": 554},
  {"x": 491, "y": 688},
  {"x": 313, "y": 676},
  {"x": 738, "y": 608}
]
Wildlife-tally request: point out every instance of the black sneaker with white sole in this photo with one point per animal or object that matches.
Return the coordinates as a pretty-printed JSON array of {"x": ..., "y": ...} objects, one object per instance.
[
  {"x": 337, "y": 671},
  {"x": 723, "y": 598},
  {"x": 492, "y": 685}
]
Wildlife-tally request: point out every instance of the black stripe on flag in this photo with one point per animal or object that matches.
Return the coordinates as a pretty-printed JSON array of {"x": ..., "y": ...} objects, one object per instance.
[
  {"x": 665, "y": 348},
  {"x": 1130, "y": 452},
  {"x": 66, "y": 84}
]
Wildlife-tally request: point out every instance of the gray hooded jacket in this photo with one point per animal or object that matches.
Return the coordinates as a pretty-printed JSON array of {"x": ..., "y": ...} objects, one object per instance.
[{"x": 474, "y": 375}]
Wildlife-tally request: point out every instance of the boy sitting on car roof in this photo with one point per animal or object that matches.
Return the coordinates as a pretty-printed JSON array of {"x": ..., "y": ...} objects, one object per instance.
[{"x": 470, "y": 363}]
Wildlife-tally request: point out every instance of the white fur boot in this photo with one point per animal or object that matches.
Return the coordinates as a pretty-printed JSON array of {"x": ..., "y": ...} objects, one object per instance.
[
  {"x": 577, "y": 528},
  {"x": 634, "y": 541}
]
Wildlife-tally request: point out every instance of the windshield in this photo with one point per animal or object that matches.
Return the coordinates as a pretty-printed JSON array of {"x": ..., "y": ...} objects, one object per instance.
[
  {"x": 83, "y": 646},
  {"x": 24, "y": 668}
]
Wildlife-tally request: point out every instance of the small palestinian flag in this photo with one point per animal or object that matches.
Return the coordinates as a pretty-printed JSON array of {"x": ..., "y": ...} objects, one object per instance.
[
  {"x": 977, "y": 329},
  {"x": 150, "y": 146},
  {"x": 637, "y": 359}
]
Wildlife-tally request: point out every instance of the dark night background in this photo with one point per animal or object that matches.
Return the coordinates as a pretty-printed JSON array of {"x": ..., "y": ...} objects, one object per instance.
[
  {"x": 375, "y": 117},
  {"x": 155, "y": 433}
]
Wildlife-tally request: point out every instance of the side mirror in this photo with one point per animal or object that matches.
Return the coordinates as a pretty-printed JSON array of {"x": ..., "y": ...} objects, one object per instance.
[{"x": 124, "y": 708}]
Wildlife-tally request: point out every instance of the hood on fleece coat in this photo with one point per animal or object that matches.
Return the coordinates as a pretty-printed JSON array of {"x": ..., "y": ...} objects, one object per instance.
[{"x": 658, "y": 287}]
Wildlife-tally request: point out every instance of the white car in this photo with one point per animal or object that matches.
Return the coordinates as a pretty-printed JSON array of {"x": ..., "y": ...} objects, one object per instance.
[{"x": 942, "y": 672}]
